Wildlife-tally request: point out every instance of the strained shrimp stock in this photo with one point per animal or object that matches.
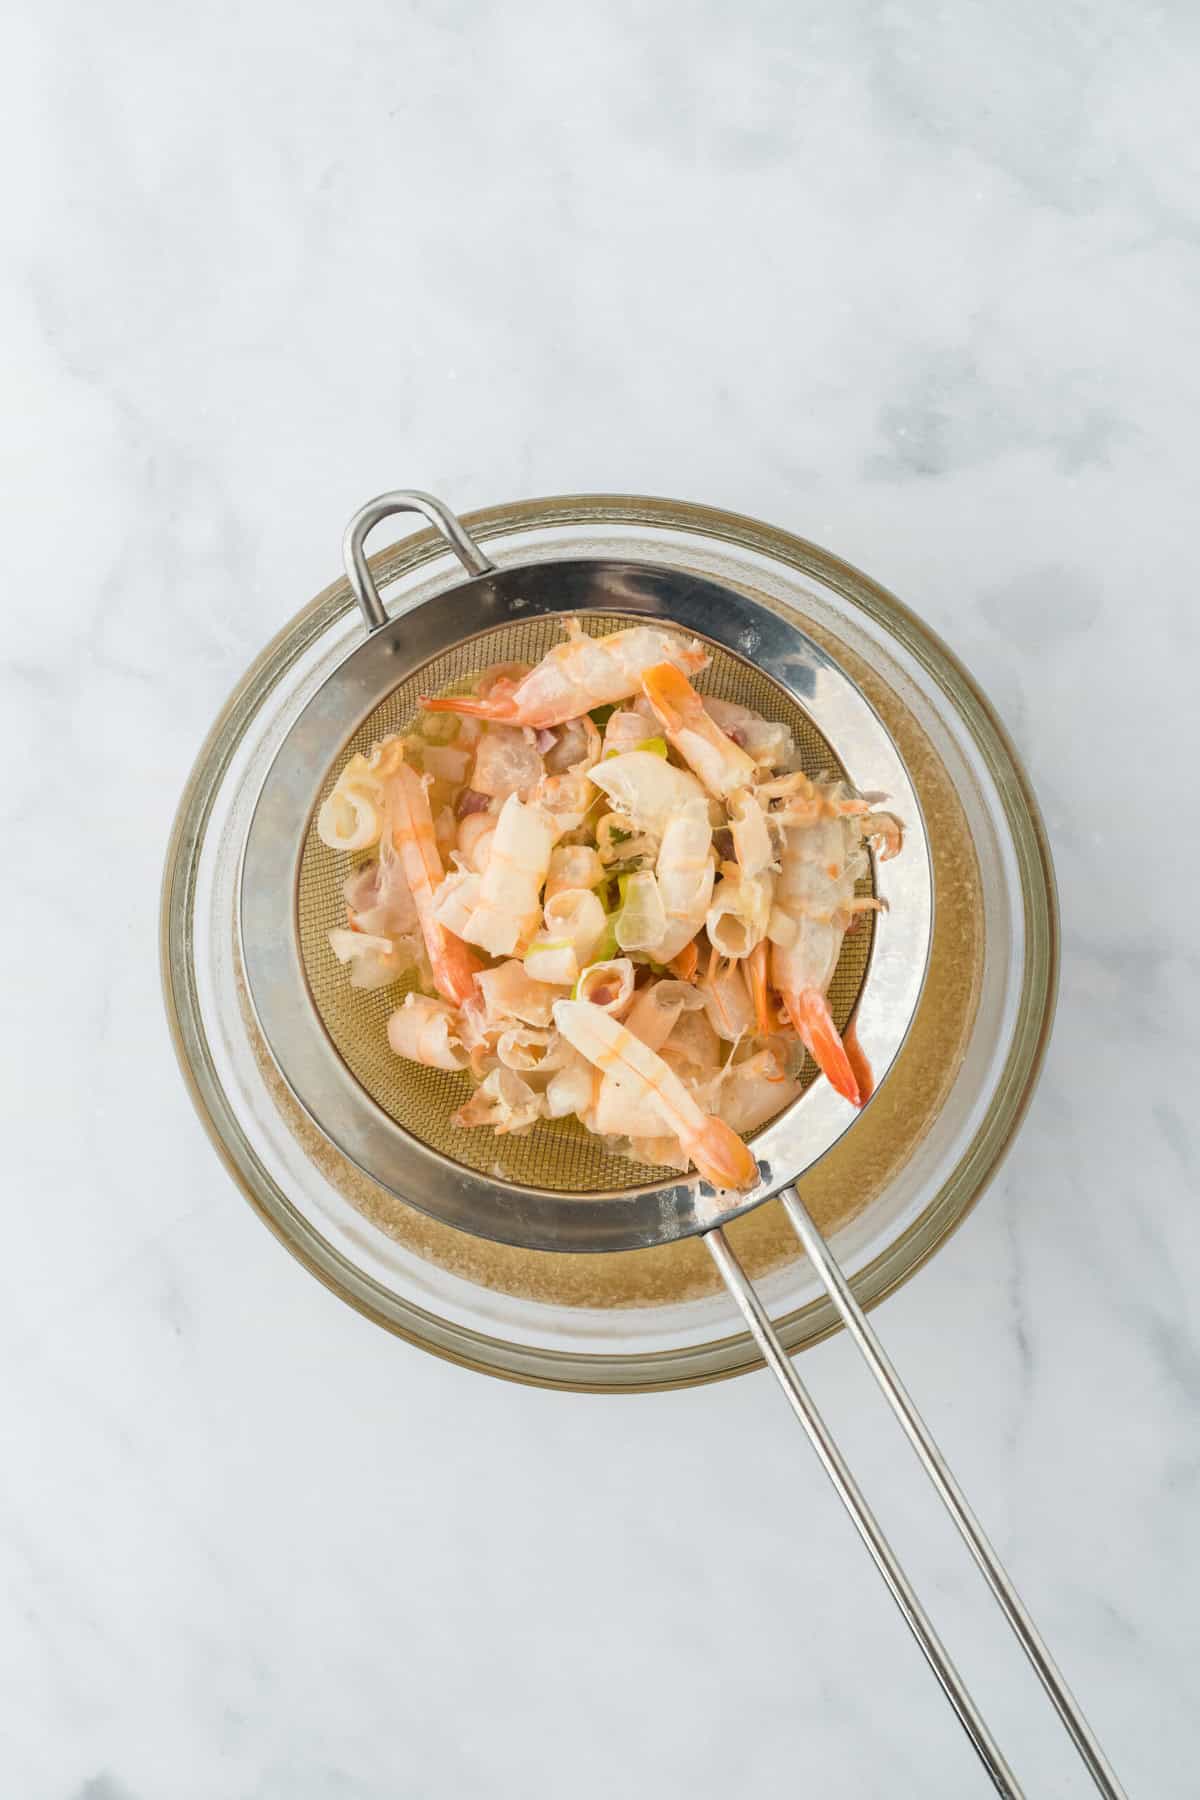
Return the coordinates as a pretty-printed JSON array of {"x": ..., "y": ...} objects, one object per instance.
[{"x": 609, "y": 897}]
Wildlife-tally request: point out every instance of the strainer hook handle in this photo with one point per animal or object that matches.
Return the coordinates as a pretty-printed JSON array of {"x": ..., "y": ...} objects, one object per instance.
[{"x": 402, "y": 500}]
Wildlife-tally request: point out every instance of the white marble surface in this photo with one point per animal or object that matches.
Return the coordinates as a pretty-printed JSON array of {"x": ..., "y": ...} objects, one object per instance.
[{"x": 919, "y": 283}]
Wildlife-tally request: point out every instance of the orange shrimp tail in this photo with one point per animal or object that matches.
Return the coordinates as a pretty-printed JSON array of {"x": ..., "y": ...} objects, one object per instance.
[
  {"x": 454, "y": 968},
  {"x": 496, "y": 706},
  {"x": 811, "y": 1016},
  {"x": 671, "y": 694},
  {"x": 721, "y": 1156},
  {"x": 857, "y": 1057}
]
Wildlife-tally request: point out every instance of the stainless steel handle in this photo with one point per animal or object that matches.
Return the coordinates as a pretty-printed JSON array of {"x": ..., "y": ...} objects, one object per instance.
[
  {"x": 382, "y": 507},
  {"x": 869, "y": 1529},
  {"x": 840, "y": 1292},
  {"x": 952, "y": 1496}
]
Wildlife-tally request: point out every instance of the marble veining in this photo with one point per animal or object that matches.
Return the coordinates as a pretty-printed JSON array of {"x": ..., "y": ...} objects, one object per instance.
[{"x": 917, "y": 283}]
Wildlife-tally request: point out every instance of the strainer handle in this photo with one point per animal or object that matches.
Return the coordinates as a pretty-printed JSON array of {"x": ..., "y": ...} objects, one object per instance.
[
  {"x": 402, "y": 500},
  {"x": 778, "y": 1361},
  {"x": 867, "y": 1525},
  {"x": 955, "y": 1501}
]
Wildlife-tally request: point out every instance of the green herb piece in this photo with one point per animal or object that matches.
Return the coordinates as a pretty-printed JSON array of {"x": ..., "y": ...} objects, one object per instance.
[{"x": 606, "y": 948}]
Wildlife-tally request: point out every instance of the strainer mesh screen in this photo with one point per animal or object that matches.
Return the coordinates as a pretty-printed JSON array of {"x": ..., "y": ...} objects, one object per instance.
[{"x": 557, "y": 1154}]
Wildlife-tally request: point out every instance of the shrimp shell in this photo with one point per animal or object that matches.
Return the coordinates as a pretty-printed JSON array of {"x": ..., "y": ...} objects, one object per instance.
[
  {"x": 410, "y": 830},
  {"x": 684, "y": 870},
  {"x": 608, "y": 986},
  {"x": 474, "y": 839},
  {"x": 510, "y": 994},
  {"x": 506, "y": 763},
  {"x": 664, "y": 1152},
  {"x": 751, "y": 834},
  {"x": 578, "y": 676},
  {"x": 693, "y": 1046},
  {"x": 753, "y": 1091},
  {"x": 769, "y": 744},
  {"x": 623, "y": 1109},
  {"x": 718, "y": 1153},
  {"x": 511, "y": 885},
  {"x": 578, "y": 746},
  {"x": 656, "y": 1010},
  {"x": 618, "y": 840},
  {"x": 569, "y": 1090},
  {"x": 815, "y": 892},
  {"x": 574, "y": 925},
  {"x": 532, "y": 1050},
  {"x": 566, "y": 798},
  {"x": 625, "y": 731},
  {"x": 573, "y": 866},
  {"x": 721, "y": 764},
  {"x": 456, "y": 899},
  {"x": 380, "y": 899},
  {"x": 446, "y": 762},
  {"x": 504, "y": 1101},
  {"x": 375, "y": 961},
  {"x": 352, "y": 817},
  {"x": 648, "y": 790},
  {"x": 642, "y": 921},
  {"x": 738, "y": 916},
  {"x": 426, "y": 1031},
  {"x": 727, "y": 1001}
]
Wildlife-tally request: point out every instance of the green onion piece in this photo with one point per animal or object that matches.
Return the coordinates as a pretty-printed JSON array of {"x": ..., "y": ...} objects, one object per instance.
[
  {"x": 607, "y": 947},
  {"x": 656, "y": 746}
]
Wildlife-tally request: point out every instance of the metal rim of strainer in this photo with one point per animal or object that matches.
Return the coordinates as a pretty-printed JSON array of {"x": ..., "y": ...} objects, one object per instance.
[{"x": 636, "y": 1217}]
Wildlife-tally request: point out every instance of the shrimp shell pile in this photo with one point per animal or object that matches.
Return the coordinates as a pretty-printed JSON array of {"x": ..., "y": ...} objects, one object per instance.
[{"x": 620, "y": 901}]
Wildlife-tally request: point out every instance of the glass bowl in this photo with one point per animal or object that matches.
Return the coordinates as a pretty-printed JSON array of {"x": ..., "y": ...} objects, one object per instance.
[{"x": 891, "y": 1190}]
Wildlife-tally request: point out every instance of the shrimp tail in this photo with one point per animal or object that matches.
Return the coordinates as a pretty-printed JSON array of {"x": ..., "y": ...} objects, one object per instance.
[
  {"x": 496, "y": 706},
  {"x": 671, "y": 694},
  {"x": 756, "y": 964},
  {"x": 863, "y": 1073},
  {"x": 455, "y": 966},
  {"x": 720, "y": 1154},
  {"x": 810, "y": 1015}
]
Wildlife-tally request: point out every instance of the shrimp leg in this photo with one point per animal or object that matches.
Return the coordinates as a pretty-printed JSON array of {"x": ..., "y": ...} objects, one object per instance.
[{"x": 756, "y": 967}]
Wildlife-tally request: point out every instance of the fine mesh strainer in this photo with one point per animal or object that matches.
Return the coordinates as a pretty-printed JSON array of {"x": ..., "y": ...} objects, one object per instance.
[{"x": 557, "y": 1188}]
